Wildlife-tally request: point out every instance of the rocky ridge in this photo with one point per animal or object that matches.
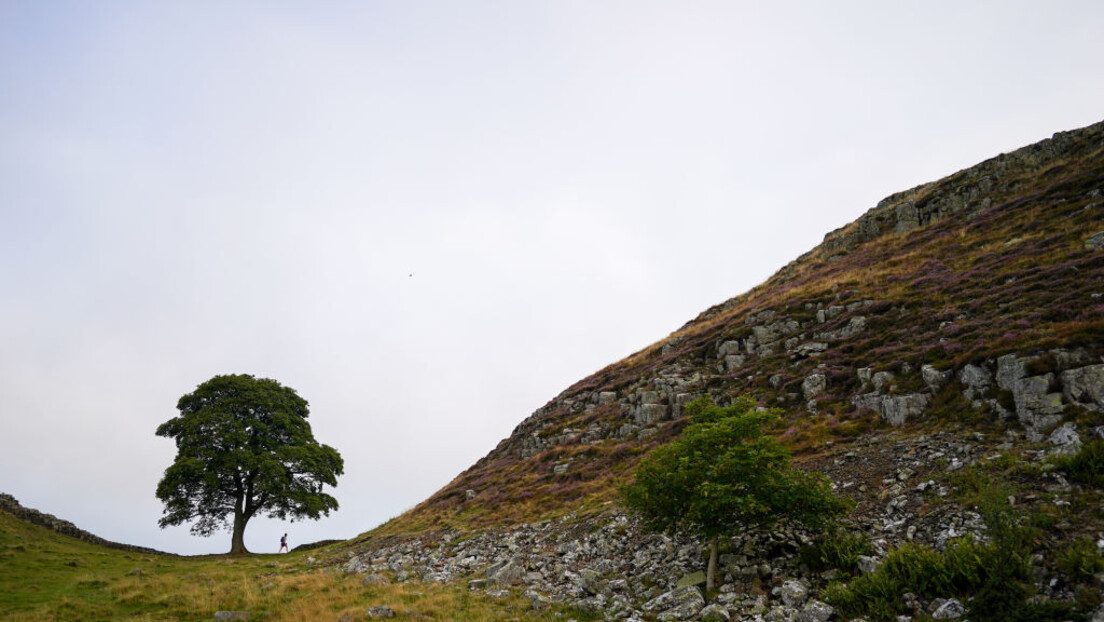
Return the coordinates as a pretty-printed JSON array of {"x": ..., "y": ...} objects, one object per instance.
[
  {"x": 952, "y": 324},
  {"x": 609, "y": 565}
]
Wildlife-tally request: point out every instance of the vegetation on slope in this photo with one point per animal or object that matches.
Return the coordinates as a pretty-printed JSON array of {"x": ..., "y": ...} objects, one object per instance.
[{"x": 995, "y": 263}]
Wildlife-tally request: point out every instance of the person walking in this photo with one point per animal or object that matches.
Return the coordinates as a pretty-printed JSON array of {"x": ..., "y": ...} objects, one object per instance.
[{"x": 283, "y": 545}]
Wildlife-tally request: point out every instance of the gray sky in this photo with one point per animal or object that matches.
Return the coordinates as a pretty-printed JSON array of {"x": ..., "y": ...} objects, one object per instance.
[{"x": 429, "y": 218}]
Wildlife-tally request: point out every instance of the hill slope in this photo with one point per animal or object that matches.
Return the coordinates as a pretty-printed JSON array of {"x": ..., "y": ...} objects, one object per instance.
[{"x": 975, "y": 297}]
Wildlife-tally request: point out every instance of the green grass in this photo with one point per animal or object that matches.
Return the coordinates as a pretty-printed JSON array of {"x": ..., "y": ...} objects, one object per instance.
[{"x": 47, "y": 576}]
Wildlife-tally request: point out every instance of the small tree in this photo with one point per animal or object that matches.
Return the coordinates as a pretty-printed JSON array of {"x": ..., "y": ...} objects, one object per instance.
[
  {"x": 723, "y": 473},
  {"x": 244, "y": 448}
]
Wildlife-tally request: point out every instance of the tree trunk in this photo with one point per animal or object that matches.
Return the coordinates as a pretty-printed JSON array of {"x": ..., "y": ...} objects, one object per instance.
[
  {"x": 711, "y": 569},
  {"x": 237, "y": 545}
]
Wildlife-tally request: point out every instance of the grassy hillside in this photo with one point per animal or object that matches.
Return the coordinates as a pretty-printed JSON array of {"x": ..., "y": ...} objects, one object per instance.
[
  {"x": 48, "y": 576},
  {"x": 989, "y": 261}
]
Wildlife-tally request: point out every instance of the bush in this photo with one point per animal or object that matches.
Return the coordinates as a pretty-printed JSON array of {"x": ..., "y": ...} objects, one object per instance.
[
  {"x": 1086, "y": 466},
  {"x": 1080, "y": 560},
  {"x": 835, "y": 549}
]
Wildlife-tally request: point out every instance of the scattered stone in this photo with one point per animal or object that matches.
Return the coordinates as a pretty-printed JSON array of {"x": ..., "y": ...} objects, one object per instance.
[
  {"x": 715, "y": 613},
  {"x": 949, "y": 610},
  {"x": 380, "y": 612},
  {"x": 679, "y": 604}
]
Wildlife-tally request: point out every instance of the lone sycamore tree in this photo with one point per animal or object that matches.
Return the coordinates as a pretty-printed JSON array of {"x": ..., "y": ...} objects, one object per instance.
[
  {"x": 244, "y": 448},
  {"x": 723, "y": 474}
]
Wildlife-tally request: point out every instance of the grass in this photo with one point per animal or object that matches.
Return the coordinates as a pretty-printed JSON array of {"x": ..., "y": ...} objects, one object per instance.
[{"x": 47, "y": 576}]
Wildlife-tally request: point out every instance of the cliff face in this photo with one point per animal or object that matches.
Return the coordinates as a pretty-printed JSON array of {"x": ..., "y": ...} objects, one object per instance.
[{"x": 978, "y": 297}]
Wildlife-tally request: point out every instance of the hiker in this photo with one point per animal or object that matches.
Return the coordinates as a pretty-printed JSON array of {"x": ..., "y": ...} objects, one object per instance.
[{"x": 283, "y": 545}]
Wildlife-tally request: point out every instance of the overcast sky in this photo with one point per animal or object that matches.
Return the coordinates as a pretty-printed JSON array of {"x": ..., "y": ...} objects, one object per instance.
[{"x": 429, "y": 218}]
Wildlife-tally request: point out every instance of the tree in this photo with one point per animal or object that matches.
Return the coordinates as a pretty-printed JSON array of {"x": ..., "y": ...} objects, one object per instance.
[
  {"x": 244, "y": 448},
  {"x": 723, "y": 473}
]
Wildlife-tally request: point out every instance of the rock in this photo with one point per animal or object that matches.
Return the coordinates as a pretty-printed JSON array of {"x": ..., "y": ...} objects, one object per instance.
[
  {"x": 380, "y": 612},
  {"x": 477, "y": 584},
  {"x": 647, "y": 414},
  {"x": 815, "y": 611},
  {"x": 469, "y": 494},
  {"x": 864, "y": 374},
  {"x": 588, "y": 581},
  {"x": 714, "y": 613},
  {"x": 897, "y": 409},
  {"x": 1095, "y": 242},
  {"x": 1065, "y": 439},
  {"x": 375, "y": 579},
  {"x": 976, "y": 380},
  {"x": 894, "y": 409},
  {"x": 934, "y": 378},
  {"x": 814, "y": 385},
  {"x": 868, "y": 564},
  {"x": 882, "y": 381},
  {"x": 607, "y": 397},
  {"x": 1010, "y": 369},
  {"x": 1036, "y": 407},
  {"x": 734, "y": 361},
  {"x": 137, "y": 572},
  {"x": 1085, "y": 386},
  {"x": 694, "y": 578},
  {"x": 949, "y": 610},
  {"x": 231, "y": 615},
  {"x": 679, "y": 604},
  {"x": 508, "y": 575},
  {"x": 794, "y": 593}
]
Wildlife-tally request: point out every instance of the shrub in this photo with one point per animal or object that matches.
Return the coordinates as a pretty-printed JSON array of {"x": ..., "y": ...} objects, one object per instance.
[
  {"x": 1080, "y": 560},
  {"x": 835, "y": 549},
  {"x": 1086, "y": 466}
]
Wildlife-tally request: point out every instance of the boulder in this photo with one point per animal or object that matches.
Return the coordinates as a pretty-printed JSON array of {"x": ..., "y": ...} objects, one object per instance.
[
  {"x": 934, "y": 378},
  {"x": 1085, "y": 386},
  {"x": 648, "y": 414},
  {"x": 815, "y": 611},
  {"x": 814, "y": 385},
  {"x": 1037, "y": 408},
  {"x": 231, "y": 615},
  {"x": 375, "y": 579},
  {"x": 380, "y": 612},
  {"x": 882, "y": 380},
  {"x": 694, "y": 578},
  {"x": 949, "y": 610},
  {"x": 794, "y": 593},
  {"x": 976, "y": 380},
  {"x": 507, "y": 575},
  {"x": 1010, "y": 369},
  {"x": 1065, "y": 439},
  {"x": 679, "y": 604},
  {"x": 714, "y": 613}
]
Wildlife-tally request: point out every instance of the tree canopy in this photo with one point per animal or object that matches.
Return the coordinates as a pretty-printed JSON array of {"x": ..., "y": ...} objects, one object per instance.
[
  {"x": 724, "y": 473},
  {"x": 244, "y": 448}
]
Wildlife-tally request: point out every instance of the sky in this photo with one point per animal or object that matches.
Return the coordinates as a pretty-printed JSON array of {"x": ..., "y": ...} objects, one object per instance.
[{"x": 430, "y": 218}]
